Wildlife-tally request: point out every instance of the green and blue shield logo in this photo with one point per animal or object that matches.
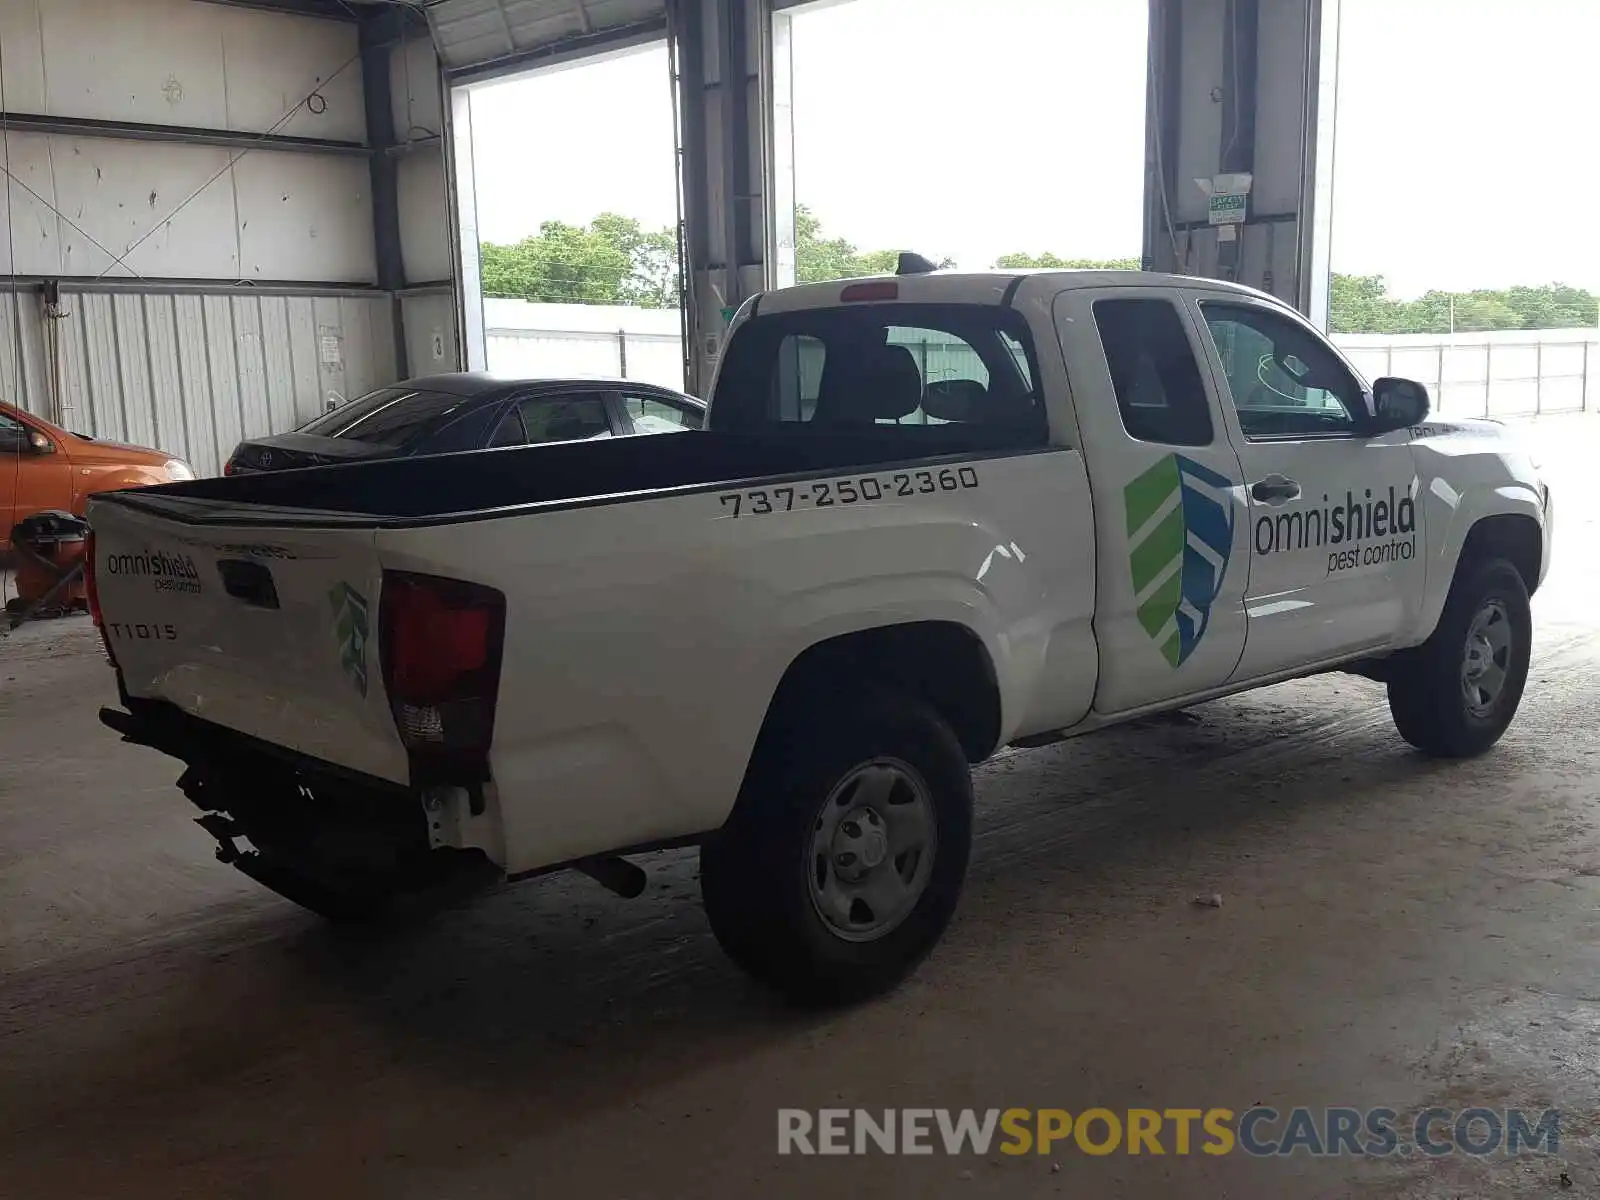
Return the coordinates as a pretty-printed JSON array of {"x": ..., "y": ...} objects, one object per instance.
[
  {"x": 350, "y": 628},
  {"x": 1180, "y": 533}
]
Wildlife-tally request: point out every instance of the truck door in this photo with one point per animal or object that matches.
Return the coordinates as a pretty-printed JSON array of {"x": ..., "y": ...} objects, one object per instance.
[
  {"x": 1334, "y": 557},
  {"x": 1169, "y": 511}
]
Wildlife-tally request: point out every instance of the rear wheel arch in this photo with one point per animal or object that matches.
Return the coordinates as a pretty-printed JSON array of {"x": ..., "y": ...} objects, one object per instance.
[{"x": 943, "y": 663}]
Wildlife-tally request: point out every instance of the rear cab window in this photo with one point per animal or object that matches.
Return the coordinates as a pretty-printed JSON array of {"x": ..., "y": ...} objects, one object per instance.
[{"x": 906, "y": 368}]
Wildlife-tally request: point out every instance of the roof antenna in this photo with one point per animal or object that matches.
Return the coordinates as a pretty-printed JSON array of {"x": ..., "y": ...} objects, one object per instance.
[{"x": 915, "y": 264}]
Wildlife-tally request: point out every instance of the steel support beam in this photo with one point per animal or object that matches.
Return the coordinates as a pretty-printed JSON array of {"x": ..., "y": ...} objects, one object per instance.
[
  {"x": 723, "y": 50},
  {"x": 1243, "y": 87},
  {"x": 136, "y": 131},
  {"x": 384, "y": 169},
  {"x": 462, "y": 192},
  {"x": 332, "y": 10},
  {"x": 169, "y": 286}
]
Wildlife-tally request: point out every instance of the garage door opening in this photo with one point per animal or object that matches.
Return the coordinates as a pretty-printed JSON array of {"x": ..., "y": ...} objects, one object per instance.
[
  {"x": 1007, "y": 134},
  {"x": 575, "y": 200}
]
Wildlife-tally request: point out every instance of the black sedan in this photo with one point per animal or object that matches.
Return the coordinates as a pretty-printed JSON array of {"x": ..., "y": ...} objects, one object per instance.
[{"x": 445, "y": 414}]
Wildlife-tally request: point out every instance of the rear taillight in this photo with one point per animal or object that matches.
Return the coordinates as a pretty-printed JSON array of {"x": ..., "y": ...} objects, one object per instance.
[
  {"x": 227, "y": 467},
  {"x": 440, "y": 643}
]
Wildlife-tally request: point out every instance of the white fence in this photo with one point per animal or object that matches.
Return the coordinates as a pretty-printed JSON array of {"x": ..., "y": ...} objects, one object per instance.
[
  {"x": 585, "y": 340},
  {"x": 1503, "y": 374},
  {"x": 1515, "y": 373}
]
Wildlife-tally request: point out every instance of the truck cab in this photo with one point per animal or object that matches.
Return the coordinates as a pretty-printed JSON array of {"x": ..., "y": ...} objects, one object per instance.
[{"x": 1259, "y": 510}]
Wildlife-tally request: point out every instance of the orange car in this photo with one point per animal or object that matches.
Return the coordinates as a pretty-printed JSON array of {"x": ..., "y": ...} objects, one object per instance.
[{"x": 42, "y": 466}]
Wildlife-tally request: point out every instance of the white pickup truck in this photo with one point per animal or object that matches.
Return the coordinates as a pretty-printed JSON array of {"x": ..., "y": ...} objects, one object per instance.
[{"x": 931, "y": 515}]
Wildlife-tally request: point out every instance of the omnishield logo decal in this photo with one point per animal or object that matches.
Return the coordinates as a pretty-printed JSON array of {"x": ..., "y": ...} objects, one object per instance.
[{"x": 1180, "y": 533}]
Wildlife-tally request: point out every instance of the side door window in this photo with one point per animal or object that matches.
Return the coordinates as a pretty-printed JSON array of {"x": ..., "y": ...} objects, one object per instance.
[
  {"x": 510, "y": 431},
  {"x": 1160, "y": 394},
  {"x": 1335, "y": 567},
  {"x": 13, "y": 442},
  {"x": 13, "y": 434},
  {"x": 573, "y": 418},
  {"x": 1284, "y": 382},
  {"x": 652, "y": 414}
]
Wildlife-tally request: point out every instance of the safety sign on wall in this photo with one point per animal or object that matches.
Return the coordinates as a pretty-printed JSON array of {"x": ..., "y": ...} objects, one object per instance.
[{"x": 1227, "y": 208}]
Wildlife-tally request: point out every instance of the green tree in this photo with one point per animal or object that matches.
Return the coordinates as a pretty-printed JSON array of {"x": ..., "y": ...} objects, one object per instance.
[
  {"x": 1361, "y": 304},
  {"x": 819, "y": 259},
  {"x": 612, "y": 260},
  {"x": 1023, "y": 262},
  {"x": 1553, "y": 306}
]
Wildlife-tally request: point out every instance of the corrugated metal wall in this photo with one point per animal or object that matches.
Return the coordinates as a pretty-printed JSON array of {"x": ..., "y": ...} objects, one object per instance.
[{"x": 191, "y": 372}]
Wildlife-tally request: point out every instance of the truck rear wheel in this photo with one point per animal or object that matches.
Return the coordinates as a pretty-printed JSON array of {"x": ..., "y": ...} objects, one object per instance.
[
  {"x": 845, "y": 856},
  {"x": 1458, "y": 691}
]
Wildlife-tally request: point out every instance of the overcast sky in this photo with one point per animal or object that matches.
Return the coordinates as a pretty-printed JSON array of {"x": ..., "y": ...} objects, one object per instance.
[{"x": 1464, "y": 155}]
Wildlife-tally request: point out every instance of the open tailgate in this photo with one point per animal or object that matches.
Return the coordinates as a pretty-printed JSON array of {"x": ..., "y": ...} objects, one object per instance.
[{"x": 266, "y": 629}]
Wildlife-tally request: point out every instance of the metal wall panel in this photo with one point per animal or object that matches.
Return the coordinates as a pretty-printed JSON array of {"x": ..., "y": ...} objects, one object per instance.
[
  {"x": 424, "y": 219},
  {"x": 417, "y": 94},
  {"x": 115, "y": 196},
  {"x": 24, "y": 370},
  {"x": 430, "y": 325},
  {"x": 1279, "y": 114},
  {"x": 195, "y": 373},
  {"x": 304, "y": 217},
  {"x": 1196, "y": 106},
  {"x": 181, "y": 212},
  {"x": 175, "y": 62}
]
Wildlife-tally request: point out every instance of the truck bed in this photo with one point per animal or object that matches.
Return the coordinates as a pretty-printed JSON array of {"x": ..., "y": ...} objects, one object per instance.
[{"x": 452, "y": 487}]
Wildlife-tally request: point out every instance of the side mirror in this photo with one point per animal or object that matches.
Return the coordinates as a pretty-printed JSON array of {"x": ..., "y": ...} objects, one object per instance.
[
  {"x": 40, "y": 443},
  {"x": 1399, "y": 403}
]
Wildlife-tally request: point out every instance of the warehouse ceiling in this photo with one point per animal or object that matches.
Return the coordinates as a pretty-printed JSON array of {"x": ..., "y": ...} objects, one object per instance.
[
  {"x": 476, "y": 34},
  {"x": 471, "y": 33}
]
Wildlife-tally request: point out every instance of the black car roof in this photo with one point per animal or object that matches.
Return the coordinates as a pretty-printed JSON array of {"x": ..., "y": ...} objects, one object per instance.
[{"x": 483, "y": 384}]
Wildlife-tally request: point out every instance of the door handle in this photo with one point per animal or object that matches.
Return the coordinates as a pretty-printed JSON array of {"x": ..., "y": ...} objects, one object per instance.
[{"x": 1276, "y": 489}]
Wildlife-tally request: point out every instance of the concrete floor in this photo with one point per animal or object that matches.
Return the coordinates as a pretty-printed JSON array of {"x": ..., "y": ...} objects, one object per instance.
[{"x": 1393, "y": 932}]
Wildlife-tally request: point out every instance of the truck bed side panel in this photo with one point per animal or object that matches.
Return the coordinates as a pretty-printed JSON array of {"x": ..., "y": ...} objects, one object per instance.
[{"x": 644, "y": 641}]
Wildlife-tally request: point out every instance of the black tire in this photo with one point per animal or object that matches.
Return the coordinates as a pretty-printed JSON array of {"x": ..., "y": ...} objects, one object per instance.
[
  {"x": 1427, "y": 693},
  {"x": 754, "y": 874}
]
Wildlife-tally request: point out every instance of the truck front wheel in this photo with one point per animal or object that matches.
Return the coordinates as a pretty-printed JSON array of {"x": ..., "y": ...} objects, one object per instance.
[
  {"x": 845, "y": 855},
  {"x": 1457, "y": 692}
]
